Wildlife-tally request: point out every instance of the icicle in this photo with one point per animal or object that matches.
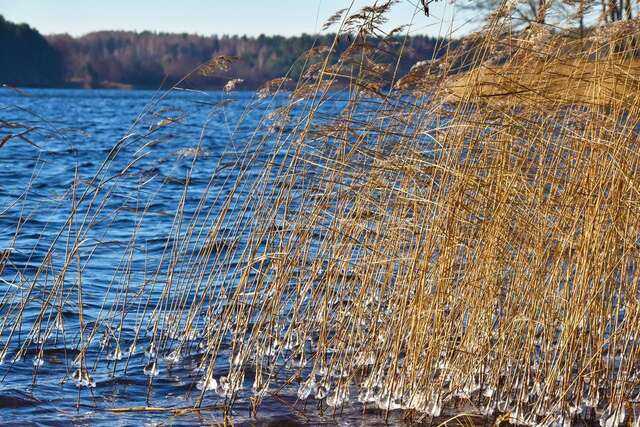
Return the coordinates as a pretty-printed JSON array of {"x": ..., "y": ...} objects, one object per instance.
[
  {"x": 613, "y": 417},
  {"x": 339, "y": 372},
  {"x": 322, "y": 390},
  {"x": 82, "y": 378},
  {"x": 435, "y": 409},
  {"x": 150, "y": 351},
  {"x": 322, "y": 371},
  {"x": 490, "y": 409},
  {"x": 116, "y": 354},
  {"x": 306, "y": 388},
  {"x": 592, "y": 401},
  {"x": 259, "y": 388},
  {"x": 367, "y": 395},
  {"x": 297, "y": 362},
  {"x": 387, "y": 403},
  {"x": 237, "y": 359},
  {"x": 339, "y": 397},
  {"x": 174, "y": 356},
  {"x": 488, "y": 392},
  {"x": 208, "y": 383},
  {"x": 151, "y": 369},
  {"x": 224, "y": 387}
]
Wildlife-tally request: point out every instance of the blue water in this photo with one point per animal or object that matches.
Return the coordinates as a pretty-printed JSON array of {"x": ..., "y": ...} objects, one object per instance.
[{"x": 109, "y": 171}]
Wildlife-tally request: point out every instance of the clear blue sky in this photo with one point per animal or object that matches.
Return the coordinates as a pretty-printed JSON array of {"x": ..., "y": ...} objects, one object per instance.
[{"x": 251, "y": 17}]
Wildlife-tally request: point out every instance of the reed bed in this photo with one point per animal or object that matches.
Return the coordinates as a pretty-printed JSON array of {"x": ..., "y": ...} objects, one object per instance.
[{"x": 453, "y": 241}]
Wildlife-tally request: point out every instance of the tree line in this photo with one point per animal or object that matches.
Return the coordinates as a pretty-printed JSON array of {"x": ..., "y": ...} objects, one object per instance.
[
  {"x": 27, "y": 58},
  {"x": 149, "y": 59}
]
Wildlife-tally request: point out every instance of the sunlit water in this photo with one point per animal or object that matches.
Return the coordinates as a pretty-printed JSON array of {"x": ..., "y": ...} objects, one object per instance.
[{"x": 180, "y": 147}]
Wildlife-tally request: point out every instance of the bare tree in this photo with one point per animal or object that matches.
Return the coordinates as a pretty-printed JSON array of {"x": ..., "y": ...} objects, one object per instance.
[{"x": 523, "y": 12}]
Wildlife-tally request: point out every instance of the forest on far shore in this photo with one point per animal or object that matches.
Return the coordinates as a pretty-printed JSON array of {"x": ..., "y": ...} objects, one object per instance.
[{"x": 149, "y": 60}]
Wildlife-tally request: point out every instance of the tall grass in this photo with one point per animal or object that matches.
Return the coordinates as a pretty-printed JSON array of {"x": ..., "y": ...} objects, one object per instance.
[{"x": 463, "y": 239}]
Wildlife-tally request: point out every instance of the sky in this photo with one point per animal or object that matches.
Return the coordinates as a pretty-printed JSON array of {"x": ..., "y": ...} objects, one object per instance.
[{"x": 206, "y": 17}]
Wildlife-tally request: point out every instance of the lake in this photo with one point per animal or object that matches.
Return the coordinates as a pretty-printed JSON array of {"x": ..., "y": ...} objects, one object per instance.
[{"x": 90, "y": 189}]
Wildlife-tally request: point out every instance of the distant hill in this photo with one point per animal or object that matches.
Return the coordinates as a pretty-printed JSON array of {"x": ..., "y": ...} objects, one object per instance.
[
  {"x": 148, "y": 60},
  {"x": 26, "y": 58}
]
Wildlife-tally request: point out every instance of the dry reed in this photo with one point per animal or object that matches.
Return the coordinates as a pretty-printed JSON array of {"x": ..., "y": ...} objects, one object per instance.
[{"x": 434, "y": 248}]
